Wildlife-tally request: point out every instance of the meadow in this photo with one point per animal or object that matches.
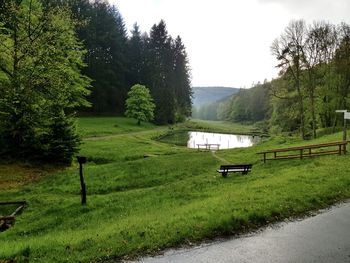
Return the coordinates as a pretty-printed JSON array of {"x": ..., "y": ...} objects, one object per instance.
[{"x": 146, "y": 194}]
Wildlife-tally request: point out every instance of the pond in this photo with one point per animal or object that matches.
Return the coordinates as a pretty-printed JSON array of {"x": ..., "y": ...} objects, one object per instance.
[{"x": 220, "y": 141}]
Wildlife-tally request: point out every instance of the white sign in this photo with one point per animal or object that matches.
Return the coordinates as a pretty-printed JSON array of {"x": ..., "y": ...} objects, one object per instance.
[{"x": 347, "y": 115}]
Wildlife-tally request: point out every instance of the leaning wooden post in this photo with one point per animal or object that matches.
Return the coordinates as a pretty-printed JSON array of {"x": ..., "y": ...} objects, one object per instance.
[{"x": 82, "y": 160}]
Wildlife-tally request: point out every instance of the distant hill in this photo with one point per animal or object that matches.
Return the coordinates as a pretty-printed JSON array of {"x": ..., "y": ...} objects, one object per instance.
[{"x": 208, "y": 95}]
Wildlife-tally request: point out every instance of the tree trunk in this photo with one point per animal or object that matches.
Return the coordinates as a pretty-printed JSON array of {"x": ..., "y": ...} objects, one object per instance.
[
  {"x": 301, "y": 106},
  {"x": 312, "y": 98}
]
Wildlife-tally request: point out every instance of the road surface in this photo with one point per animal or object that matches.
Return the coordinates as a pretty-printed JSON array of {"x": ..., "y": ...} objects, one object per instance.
[{"x": 321, "y": 238}]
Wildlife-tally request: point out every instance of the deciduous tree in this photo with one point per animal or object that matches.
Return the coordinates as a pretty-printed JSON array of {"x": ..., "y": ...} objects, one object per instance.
[
  {"x": 40, "y": 82},
  {"x": 139, "y": 104}
]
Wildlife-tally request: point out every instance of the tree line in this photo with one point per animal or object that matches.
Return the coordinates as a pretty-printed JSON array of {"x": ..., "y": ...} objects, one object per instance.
[
  {"x": 313, "y": 82},
  {"x": 116, "y": 61}
]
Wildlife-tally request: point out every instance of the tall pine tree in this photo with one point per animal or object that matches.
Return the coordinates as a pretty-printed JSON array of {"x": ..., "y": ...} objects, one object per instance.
[
  {"x": 103, "y": 32},
  {"x": 136, "y": 52},
  {"x": 160, "y": 79},
  {"x": 183, "y": 90}
]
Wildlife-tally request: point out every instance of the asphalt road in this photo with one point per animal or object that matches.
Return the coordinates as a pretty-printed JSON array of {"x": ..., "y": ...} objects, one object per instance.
[{"x": 324, "y": 237}]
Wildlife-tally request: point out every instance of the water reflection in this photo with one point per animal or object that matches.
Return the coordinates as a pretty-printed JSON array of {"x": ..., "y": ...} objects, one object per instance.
[{"x": 221, "y": 141}]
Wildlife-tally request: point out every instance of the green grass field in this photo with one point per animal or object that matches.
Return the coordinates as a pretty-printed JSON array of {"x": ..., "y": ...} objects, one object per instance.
[{"x": 145, "y": 195}]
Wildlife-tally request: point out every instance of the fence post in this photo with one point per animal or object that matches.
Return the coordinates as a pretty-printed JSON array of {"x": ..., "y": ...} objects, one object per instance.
[{"x": 82, "y": 160}]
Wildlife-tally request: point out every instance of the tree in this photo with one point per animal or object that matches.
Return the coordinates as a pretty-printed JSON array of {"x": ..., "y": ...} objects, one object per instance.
[
  {"x": 182, "y": 85},
  {"x": 319, "y": 49},
  {"x": 161, "y": 78},
  {"x": 139, "y": 104},
  {"x": 136, "y": 53},
  {"x": 342, "y": 64},
  {"x": 103, "y": 33},
  {"x": 40, "y": 82},
  {"x": 289, "y": 51}
]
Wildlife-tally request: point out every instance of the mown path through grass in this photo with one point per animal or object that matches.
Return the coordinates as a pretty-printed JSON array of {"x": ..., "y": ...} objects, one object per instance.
[{"x": 224, "y": 161}]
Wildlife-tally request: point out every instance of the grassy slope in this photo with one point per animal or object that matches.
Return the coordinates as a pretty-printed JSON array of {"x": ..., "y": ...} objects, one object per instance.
[{"x": 138, "y": 205}]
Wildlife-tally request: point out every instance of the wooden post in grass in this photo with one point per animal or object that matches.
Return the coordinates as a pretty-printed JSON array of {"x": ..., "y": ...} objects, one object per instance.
[{"x": 81, "y": 161}]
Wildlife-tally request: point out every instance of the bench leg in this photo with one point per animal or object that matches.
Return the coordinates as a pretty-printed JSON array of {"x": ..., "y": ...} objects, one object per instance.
[{"x": 224, "y": 174}]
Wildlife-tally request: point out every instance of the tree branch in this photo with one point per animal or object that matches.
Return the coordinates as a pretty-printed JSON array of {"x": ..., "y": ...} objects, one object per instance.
[{"x": 2, "y": 68}]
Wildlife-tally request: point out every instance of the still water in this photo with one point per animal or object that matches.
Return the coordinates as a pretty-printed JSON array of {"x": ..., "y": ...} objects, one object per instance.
[{"x": 222, "y": 141}]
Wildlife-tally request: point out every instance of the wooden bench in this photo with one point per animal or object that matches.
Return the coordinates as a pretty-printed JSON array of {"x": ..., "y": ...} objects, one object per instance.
[
  {"x": 234, "y": 168},
  {"x": 299, "y": 151}
]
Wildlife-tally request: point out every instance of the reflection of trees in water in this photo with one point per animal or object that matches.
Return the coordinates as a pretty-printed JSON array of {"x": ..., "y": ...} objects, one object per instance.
[
  {"x": 240, "y": 139},
  {"x": 226, "y": 141}
]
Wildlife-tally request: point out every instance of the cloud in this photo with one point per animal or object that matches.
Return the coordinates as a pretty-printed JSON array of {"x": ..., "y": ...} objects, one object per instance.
[
  {"x": 228, "y": 42},
  {"x": 334, "y": 11}
]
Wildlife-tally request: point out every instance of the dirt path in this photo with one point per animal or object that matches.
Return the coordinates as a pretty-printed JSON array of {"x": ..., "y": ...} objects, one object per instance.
[
  {"x": 213, "y": 153},
  {"x": 134, "y": 133}
]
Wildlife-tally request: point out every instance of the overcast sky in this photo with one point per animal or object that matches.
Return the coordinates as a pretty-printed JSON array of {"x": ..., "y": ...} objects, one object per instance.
[{"x": 228, "y": 41}]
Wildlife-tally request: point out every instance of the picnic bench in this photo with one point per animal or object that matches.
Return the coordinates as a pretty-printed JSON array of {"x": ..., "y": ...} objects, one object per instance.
[
  {"x": 311, "y": 151},
  {"x": 234, "y": 168},
  {"x": 208, "y": 146}
]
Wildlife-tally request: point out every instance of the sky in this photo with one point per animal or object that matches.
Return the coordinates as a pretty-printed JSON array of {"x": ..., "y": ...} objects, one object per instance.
[{"x": 228, "y": 41}]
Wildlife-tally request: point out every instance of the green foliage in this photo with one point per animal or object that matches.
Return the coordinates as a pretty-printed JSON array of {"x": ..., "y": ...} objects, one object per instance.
[
  {"x": 313, "y": 83},
  {"x": 160, "y": 56},
  {"x": 139, "y": 104},
  {"x": 182, "y": 85},
  {"x": 40, "y": 64},
  {"x": 211, "y": 103},
  {"x": 314, "y": 80},
  {"x": 103, "y": 33},
  {"x": 248, "y": 105},
  {"x": 116, "y": 62},
  {"x": 62, "y": 141},
  {"x": 137, "y": 205},
  {"x": 136, "y": 53},
  {"x": 206, "y": 112}
]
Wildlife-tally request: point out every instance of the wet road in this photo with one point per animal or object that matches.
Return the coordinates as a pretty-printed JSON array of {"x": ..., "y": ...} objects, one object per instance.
[{"x": 321, "y": 238}]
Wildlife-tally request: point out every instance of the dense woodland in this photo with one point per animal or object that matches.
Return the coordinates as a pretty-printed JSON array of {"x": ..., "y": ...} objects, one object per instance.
[
  {"x": 58, "y": 57},
  {"x": 314, "y": 82},
  {"x": 116, "y": 61},
  {"x": 206, "y": 101}
]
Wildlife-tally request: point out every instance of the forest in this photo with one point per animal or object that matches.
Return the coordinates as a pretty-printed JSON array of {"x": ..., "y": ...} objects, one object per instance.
[
  {"x": 116, "y": 60},
  {"x": 62, "y": 57},
  {"x": 313, "y": 82}
]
